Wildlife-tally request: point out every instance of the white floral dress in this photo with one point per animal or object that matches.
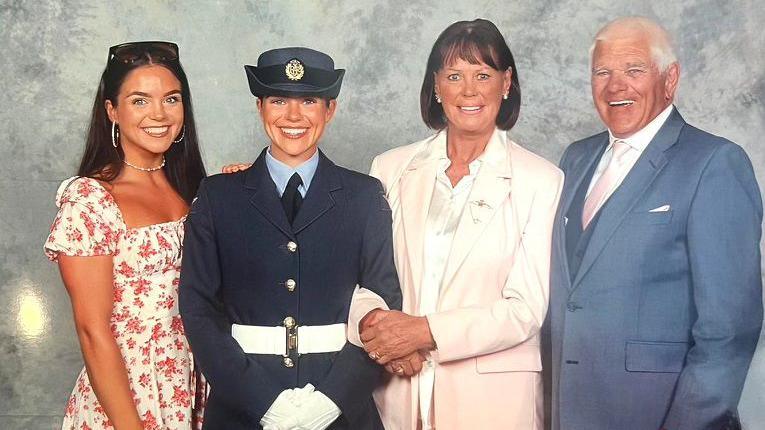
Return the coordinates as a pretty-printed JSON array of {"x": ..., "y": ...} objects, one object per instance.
[{"x": 145, "y": 320}]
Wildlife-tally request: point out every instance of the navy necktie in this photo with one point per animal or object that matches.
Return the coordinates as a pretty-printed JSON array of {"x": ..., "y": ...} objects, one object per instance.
[{"x": 292, "y": 199}]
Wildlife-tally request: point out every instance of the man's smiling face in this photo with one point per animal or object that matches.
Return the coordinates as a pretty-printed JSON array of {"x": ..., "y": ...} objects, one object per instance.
[{"x": 628, "y": 89}]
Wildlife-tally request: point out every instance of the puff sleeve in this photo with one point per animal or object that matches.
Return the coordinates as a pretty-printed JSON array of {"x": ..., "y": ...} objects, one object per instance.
[{"x": 88, "y": 222}]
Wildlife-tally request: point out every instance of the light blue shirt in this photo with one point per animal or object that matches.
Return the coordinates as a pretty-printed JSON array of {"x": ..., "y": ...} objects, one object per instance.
[{"x": 281, "y": 173}]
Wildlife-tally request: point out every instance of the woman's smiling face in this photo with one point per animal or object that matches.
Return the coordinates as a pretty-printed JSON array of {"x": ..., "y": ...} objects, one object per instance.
[
  {"x": 294, "y": 125},
  {"x": 471, "y": 94},
  {"x": 149, "y": 110}
]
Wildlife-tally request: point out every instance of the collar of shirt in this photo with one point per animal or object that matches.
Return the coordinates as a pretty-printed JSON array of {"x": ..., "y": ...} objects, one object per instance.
[
  {"x": 640, "y": 140},
  {"x": 281, "y": 173},
  {"x": 637, "y": 143},
  {"x": 444, "y": 163}
]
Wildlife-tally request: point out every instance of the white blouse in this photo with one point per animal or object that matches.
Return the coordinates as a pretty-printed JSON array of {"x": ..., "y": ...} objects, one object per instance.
[{"x": 444, "y": 212}]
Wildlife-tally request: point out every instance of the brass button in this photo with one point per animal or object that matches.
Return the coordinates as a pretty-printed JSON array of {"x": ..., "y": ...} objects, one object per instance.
[
  {"x": 290, "y": 284},
  {"x": 291, "y": 246},
  {"x": 289, "y": 322},
  {"x": 288, "y": 362}
]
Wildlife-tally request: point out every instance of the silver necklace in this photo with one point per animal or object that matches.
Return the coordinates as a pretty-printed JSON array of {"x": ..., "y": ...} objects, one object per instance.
[{"x": 146, "y": 169}]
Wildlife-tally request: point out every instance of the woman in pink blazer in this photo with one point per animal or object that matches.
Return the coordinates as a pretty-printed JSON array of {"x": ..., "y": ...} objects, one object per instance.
[{"x": 473, "y": 214}]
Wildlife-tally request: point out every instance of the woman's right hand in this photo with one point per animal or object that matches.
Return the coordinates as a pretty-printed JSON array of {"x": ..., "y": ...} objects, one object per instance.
[{"x": 235, "y": 167}]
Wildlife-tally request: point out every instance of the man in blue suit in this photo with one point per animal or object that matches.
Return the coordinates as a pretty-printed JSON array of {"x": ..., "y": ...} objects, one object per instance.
[
  {"x": 272, "y": 257},
  {"x": 656, "y": 296}
]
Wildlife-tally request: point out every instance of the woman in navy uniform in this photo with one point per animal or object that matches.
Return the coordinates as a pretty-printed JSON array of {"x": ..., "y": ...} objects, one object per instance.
[{"x": 272, "y": 257}]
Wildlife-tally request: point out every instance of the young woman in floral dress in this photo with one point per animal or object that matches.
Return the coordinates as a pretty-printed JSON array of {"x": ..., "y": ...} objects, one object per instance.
[{"x": 117, "y": 240}]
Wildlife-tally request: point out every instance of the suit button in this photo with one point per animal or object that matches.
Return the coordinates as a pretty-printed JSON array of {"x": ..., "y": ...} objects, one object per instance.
[
  {"x": 290, "y": 284},
  {"x": 289, "y": 322},
  {"x": 288, "y": 362},
  {"x": 572, "y": 306},
  {"x": 291, "y": 246}
]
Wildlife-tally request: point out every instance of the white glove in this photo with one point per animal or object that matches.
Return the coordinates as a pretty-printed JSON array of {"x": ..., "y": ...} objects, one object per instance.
[
  {"x": 316, "y": 410},
  {"x": 282, "y": 413},
  {"x": 300, "y": 409}
]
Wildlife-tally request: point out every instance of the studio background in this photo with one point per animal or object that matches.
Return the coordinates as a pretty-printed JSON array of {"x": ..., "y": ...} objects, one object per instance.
[{"x": 52, "y": 55}]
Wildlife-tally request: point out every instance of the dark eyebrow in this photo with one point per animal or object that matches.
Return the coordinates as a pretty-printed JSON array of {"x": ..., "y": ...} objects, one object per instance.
[
  {"x": 481, "y": 70},
  {"x": 142, "y": 94}
]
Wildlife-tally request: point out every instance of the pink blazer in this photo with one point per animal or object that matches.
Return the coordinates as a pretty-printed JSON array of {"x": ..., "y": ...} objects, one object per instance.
[{"x": 494, "y": 295}]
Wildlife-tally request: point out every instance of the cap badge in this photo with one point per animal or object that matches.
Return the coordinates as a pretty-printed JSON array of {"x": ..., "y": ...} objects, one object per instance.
[{"x": 294, "y": 70}]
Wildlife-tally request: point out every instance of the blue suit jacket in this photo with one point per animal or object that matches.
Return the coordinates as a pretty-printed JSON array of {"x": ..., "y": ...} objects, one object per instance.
[
  {"x": 235, "y": 263},
  {"x": 659, "y": 325}
]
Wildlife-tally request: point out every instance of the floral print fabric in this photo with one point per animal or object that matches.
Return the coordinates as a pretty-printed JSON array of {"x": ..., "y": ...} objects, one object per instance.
[{"x": 144, "y": 320}]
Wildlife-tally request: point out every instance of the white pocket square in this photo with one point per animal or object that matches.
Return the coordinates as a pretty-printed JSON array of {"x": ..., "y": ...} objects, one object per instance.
[{"x": 664, "y": 208}]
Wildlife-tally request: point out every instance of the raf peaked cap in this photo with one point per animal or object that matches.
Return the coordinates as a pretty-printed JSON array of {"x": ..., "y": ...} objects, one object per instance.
[{"x": 295, "y": 72}]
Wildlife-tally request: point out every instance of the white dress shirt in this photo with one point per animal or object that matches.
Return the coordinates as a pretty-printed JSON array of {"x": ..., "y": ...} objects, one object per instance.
[
  {"x": 637, "y": 142},
  {"x": 444, "y": 212}
]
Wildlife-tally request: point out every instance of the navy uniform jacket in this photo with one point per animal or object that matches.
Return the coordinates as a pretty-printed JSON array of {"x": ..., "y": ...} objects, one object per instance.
[
  {"x": 656, "y": 309},
  {"x": 236, "y": 260}
]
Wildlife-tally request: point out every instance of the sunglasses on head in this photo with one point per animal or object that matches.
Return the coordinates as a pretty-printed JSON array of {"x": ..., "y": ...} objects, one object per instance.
[{"x": 133, "y": 51}]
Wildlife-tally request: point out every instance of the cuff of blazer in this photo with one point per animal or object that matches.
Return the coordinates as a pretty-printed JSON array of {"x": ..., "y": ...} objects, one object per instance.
[
  {"x": 362, "y": 302},
  {"x": 438, "y": 326}
]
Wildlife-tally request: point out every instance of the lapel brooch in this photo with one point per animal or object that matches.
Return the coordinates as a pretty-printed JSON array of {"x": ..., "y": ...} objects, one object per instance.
[{"x": 476, "y": 208}]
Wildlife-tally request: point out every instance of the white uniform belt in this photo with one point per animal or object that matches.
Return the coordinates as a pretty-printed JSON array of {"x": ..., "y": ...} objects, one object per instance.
[{"x": 256, "y": 339}]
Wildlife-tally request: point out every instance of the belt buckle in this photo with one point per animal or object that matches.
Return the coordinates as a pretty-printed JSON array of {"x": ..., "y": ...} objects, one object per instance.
[{"x": 291, "y": 336}]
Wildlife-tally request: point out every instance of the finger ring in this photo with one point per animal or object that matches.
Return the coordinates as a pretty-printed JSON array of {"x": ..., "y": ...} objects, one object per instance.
[
  {"x": 399, "y": 369},
  {"x": 374, "y": 355}
]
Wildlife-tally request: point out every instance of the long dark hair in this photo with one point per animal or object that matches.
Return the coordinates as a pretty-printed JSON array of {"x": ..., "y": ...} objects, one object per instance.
[
  {"x": 472, "y": 41},
  {"x": 101, "y": 160}
]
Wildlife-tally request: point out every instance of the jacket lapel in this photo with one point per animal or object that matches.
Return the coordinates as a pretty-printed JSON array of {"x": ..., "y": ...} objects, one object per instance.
[
  {"x": 489, "y": 191},
  {"x": 415, "y": 191},
  {"x": 318, "y": 200},
  {"x": 264, "y": 196},
  {"x": 576, "y": 173},
  {"x": 629, "y": 192}
]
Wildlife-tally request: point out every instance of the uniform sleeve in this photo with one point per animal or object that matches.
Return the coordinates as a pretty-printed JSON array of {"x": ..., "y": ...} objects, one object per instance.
[
  {"x": 239, "y": 382},
  {"x": 364, "y": 299},
  {"x": 86, "y": 223},
  {"x": 354, "y": 375}
]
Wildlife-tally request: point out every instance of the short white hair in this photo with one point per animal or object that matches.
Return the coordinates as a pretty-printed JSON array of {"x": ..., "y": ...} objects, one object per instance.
[{"x": 658, "y": 39}]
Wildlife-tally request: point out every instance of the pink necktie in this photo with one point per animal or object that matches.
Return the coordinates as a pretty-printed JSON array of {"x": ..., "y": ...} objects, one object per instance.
[{"x": 605, "y": 184}]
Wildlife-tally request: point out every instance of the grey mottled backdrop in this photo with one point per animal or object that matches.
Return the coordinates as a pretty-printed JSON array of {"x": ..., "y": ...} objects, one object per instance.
[{"x": 52, "y": 54}]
